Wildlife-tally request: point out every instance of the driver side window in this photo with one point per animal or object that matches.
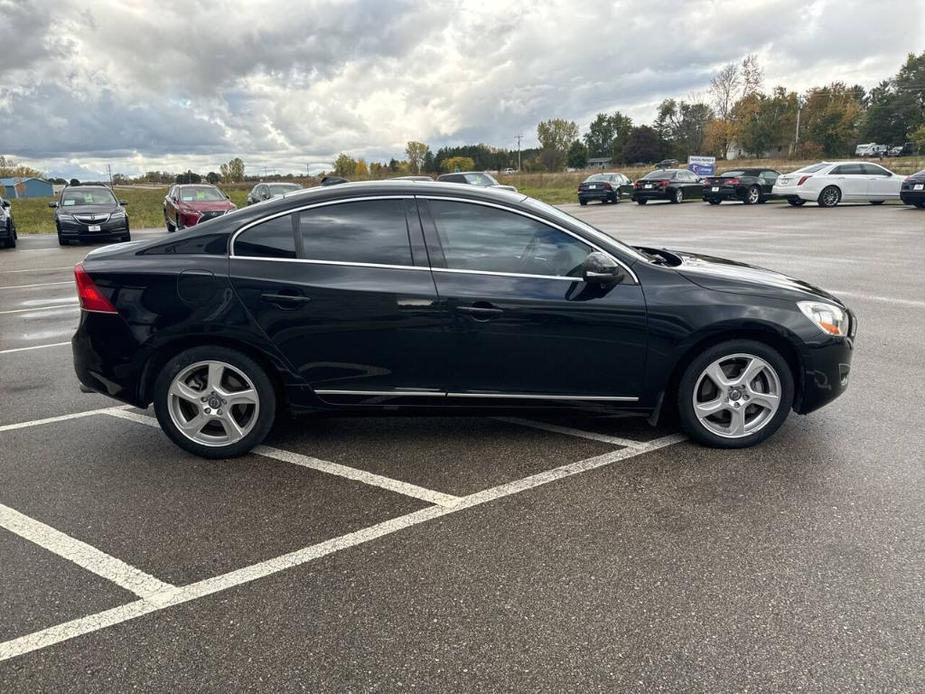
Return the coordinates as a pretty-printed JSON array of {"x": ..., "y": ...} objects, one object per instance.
[{"x": 487, "y": 239}]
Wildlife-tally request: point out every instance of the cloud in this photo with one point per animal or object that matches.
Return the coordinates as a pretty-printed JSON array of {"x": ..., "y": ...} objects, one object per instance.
[{"x": 181, "y": 83}]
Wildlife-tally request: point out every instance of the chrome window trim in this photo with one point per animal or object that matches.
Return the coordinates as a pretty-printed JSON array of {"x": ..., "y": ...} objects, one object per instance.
[
  {"x": 507, "y": 274},
  {"x": 535, "y": 219},
  {"x": 302, "y": 208},
  {"x": 446, "y": 394},
  {"x": 344, "y": 263}
]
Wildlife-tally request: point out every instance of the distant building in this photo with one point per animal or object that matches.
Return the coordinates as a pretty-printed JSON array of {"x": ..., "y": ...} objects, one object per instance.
[
  {"x": 13, "y": 188},
  {"x": 599, "y": 162}
]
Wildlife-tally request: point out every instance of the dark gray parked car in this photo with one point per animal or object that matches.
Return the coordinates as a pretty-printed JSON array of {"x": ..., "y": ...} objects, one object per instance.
[{"x": 7, "y": 226}]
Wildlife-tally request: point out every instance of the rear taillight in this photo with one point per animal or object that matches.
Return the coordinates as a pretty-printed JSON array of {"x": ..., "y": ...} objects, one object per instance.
[
  {"x": 803, "y": 180},
  {"x": 663, "y": 183},
  {"x": 91, "y": 299},
  {"x": 732, "y": 181}
]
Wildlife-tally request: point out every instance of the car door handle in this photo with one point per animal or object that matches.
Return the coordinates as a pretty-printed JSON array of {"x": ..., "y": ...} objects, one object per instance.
[
  {"x": 481, "y": 311},
  {"x": 284, "y": 300}
]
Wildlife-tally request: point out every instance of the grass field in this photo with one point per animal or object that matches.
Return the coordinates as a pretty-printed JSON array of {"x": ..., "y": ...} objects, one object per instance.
[{"x": 33, "y": 216}]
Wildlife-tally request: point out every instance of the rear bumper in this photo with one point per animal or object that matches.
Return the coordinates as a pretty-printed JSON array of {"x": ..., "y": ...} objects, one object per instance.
[
  {"x": 723, "y": 193},
  {"x": 104, "y": 357},
  {"x": 660, "y": 194},
  {"x": 795, "y": 193},
  {"x": 597, "y": 194}
]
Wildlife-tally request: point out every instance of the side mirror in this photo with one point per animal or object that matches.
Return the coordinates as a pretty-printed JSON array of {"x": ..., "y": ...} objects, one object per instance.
[
  {"x": 123, "y": 203},
  {"x": 52, "y": 204},
  {"x": 6, "y": 203},
  {"x": 600, "y": 268}
]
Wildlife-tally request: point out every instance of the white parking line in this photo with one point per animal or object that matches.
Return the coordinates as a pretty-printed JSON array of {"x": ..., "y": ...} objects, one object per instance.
[
  {"x": 569, "y": 431},
  {"x": 82, "y": 554},
  {"x": 877, "y": 297},
  {"x": 61, "y": 418},
  {"x": 30, "y": 286},
  {"x": 372, "y": 479},
  {"x": 70, "y": 305},
  {"x": 39, "y": 269},
  {"x": 26, "y": 349},
  {"x": 163, "y": 600}
]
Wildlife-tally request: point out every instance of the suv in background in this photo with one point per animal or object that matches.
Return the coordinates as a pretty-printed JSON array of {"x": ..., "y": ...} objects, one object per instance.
[
  {"x": 90, "y": 213},
  {"x": 265, "y": 191},
  {"x": 474, "y": 178},
  {"x": 7, "y": 227},
  {"x": 187, "y": 205}
]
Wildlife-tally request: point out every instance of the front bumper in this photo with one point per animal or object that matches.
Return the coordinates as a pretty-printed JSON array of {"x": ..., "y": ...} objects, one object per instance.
[
  {"x": 78, "y": 230},
  {"x": 912, "y": 197},
  {"x": 826, "y": 370}
]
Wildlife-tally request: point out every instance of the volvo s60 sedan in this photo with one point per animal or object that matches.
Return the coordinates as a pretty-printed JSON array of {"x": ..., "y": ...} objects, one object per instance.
[
  {"x": 372, "y": 296},
  {"x": 829, "y": 183}
]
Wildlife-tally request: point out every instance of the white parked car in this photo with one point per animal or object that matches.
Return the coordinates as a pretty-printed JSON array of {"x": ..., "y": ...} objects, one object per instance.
[{"x": 830, "y": 183}]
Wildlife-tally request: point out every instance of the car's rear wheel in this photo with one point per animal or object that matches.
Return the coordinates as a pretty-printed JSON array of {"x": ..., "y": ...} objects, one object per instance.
[
  {"x": 214, "y": 402},
  {"x": 735, "y": 394},
  {"x": 920, "y": 205},
  {"x": 796, "y": 202},
  {"x": 753, "y": 195},
  {"x": 829, "y": 197},
  {"x": 677, "y": 196}
]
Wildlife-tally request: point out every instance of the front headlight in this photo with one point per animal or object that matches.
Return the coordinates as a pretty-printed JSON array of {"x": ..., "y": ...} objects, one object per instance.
[
  {"x": 829, "y": 318},
  {"x": 118, "y": 215}
]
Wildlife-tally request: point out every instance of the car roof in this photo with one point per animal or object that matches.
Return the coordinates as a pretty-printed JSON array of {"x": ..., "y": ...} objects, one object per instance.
[{"x": 395, "y": 187}]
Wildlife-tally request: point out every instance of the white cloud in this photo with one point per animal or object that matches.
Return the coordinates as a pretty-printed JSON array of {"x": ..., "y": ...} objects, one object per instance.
[{"x": 180, "y": 83}]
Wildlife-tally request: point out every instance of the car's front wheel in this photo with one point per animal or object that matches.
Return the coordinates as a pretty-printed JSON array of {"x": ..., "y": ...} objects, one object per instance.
[
  {"x": 735, "y": 394},
  {"x": 582, "y": 202},
  {"x": 214, "y": 402}
]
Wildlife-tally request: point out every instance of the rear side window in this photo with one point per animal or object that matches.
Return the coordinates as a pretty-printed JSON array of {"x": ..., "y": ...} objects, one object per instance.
[
  {"x": 368, "y": 231},
  {"x": 198, "y": 244},
  {"x": 271, "y": 239},
  {"x": 847, "y": 170},
  {"x": 486, "y": 239}
]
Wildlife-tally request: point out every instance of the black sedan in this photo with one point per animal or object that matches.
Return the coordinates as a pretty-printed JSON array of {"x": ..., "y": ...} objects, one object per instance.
[
  {"x": 7, "y": 226},
  {"x": 371, "y": 296},
  {"x": 606, "y": 187},
  {"x": 913, "y": 190},
  {"x": 265, "y": 191},
  {"x": 750, "y": 186},
  {"x": 674, "y": 185},
  {"x": 90, "y": 213}
]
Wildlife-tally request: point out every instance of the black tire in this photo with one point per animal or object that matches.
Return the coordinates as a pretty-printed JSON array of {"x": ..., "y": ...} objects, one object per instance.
[
  {"x": 692, "y": 425},
  {"x": 125, "y": 238},
  {"x": 796, "y": 202},
  {"x": 920, "y": 205},
  {"x": 752, "y": 196},
  {"x": 830, "y": 196},
  {"x": 614, "y": 198},
  {"x": 170, "y": 227},
  {"x": 714, "y": 201},
  {"x": 61, "y": 240},
  {"x": 262, "y": 384},
  {"x": 582, "y": 202},
  {"x": 877, "y": 202},
  {"x": 677, "y": 196},
  {"x": 13, "y": 237},
  {"x": 641, "y": 202}
]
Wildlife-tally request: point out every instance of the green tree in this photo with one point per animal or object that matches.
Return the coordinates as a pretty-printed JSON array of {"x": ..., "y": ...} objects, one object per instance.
[
  {"x": 644, "y": 145},
  {"x": 831, "y": 117},
  {"x": 765, "y": 123},
  {"x": 213, "y": 178},
  {"x": 606, "y": 135},
  {"x": 683, "y": 125},
  {"x": 233, "y": 171},
  {"x": 345, "y": 165},
  {"x": 429, "y": 165},
  {"x": 556, "y": 136},
  {"x": 918, "y": 138},
  {"x": 416, "y": 151},
  {"x": 361, "y": 170},
  {"x": 458, "y": 164},
  {"x": 577, "y": 157}
]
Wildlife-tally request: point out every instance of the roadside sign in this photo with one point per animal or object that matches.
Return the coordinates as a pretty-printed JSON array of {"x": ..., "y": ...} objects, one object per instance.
[{"x": 702, "y": 166}]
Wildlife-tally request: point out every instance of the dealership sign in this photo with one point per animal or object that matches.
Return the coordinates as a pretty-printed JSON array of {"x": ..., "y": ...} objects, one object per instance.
[{"x": 702, "y": 166}]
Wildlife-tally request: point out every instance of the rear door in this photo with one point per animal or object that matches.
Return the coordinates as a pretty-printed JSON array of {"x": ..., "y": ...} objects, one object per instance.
[
  {"x": 344, "y": 292},
  {"x": 525, "y": 324}
]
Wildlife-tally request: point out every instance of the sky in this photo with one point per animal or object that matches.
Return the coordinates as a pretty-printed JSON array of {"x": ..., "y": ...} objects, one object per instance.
[{"x": 171, "y": 85}]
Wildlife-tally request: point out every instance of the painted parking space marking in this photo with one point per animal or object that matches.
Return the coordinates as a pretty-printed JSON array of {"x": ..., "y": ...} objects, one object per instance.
[
  {"x": 26, "y": 349},
  {"x": 39, "y": 269},
  {"x": 393, "y": 485},
  {"x": 570, "y": 431},
  {"x": 80, "y": 553},
  {"x": 162, "y": 600},
  {"x": 876, "y": 297},
  {"x": 34, "y": 286},
  {"x": 60, "y": 418},
  {"x": 70, "y": 305}
]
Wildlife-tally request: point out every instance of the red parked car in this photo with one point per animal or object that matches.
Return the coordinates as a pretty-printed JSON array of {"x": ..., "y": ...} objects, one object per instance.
[{"x": 187, "y": 205}]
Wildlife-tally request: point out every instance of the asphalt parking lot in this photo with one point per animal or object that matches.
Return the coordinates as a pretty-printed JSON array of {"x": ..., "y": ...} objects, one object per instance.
[{"x": 565, "y": 553}]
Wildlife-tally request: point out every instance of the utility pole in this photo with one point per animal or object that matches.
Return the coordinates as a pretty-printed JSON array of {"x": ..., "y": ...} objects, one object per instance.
[
  {"x": 796, "y": 140},
  {"x": 109, "y": 170},
  {"x": 518, "y": 138}
]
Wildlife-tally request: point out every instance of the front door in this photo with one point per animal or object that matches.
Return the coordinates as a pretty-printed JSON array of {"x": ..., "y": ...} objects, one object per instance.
[
  {"x": 852, "y": 181},
  {"x": 882, "y": 184},
  {"x": 526, "y": 325},
  {"x": 344, "y": 292}
]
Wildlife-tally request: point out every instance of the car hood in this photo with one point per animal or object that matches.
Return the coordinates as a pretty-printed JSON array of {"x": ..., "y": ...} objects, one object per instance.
[
  {"x": 722, "y": 274},
  {"x": 207, "y": 205}
]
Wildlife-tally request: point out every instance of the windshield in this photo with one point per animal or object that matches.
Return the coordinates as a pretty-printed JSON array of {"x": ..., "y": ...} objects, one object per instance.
[
  {"x": 556, "y": 213},
  {"x": 88, "y": 196},
  {"x": 811, "y": 169},
  {"x": 201, "y": 194},
  {"x": 920, "y": 174},
  {"x": 281, "y": 188},
  {"x": 480, "y": 179},
  {"x": 660, "y": 175}
]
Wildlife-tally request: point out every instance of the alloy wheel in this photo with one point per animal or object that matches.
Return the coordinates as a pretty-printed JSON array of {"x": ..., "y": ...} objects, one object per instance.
[
  {"x": 213, "y": 403},
  {"x": 737, "y": 395},
  {"x": 754, "y": 195},
  {"x": 829, "y": 197},
  {"x": 679, "y": 195}
]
